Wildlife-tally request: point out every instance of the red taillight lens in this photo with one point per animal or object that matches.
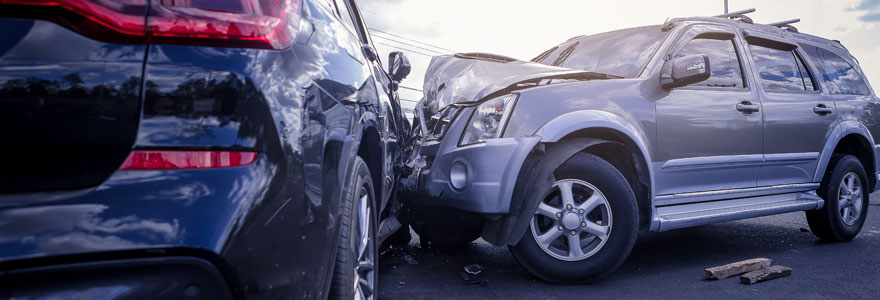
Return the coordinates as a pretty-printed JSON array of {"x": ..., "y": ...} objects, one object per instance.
[
  {"x": 265, "y": 24},
  {"x": 244, "y": 23},
  {"x": 101, "y": 19},
  {"x": 176, "y": 160}
]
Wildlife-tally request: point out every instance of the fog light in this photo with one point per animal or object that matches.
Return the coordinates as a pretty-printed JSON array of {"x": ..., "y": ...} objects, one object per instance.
[{"x": 458, "y": 175}]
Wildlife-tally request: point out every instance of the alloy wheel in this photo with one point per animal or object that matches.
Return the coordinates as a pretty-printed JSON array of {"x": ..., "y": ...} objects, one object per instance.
[
  {"x": 365, "y": 275},
  {"x": 573, "y": 221},
  {"x": 849, "y": 200}
]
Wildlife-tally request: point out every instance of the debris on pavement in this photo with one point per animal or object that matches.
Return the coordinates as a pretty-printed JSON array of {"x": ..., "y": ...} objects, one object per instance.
[
  {"x": 473, "y": 269},
  {"x": 401, "y": 282},
  {"x": 737, "y": 268},
  {"x": 472, "y": 279},
  {"x": 410, "y": 260},
  {"x": 765, "y": 274}
]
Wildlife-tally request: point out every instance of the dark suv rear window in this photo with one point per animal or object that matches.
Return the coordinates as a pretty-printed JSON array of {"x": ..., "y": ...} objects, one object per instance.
[{"x": 839, "y": 76}]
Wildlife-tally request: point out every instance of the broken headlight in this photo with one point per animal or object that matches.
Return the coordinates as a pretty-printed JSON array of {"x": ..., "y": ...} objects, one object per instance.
[{"x": 488, "y": 120}]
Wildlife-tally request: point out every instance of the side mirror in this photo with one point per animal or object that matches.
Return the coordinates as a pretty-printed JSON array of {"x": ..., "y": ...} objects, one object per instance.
[
  {"x": 398, "y": 66},
  {"x": 685, "y": 71}
]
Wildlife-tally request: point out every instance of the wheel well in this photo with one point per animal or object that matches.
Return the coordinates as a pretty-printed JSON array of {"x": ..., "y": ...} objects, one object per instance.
[
  {"x": 370, "y": 150},
  {"x": 627, "y": 158},
  {"x": 858, "y": 146}
]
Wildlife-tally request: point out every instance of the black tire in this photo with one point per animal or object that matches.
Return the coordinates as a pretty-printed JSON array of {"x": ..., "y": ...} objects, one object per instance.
[
  {"x": 447, "y": 236},
  {"x": 358, "y": 184},
  {"x": 400, "y": 238},
  {"x": 610, "y": 255},
  {"x": 828, "y": 223},
  {"x": 445, "y": 227}
]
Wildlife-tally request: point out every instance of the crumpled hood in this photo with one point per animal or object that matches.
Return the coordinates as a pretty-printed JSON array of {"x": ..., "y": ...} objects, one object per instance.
[{"x": 469, "y": 77}]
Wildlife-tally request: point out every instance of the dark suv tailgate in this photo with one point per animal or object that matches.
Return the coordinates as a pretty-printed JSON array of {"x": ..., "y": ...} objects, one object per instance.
[{"x": 69, "y": 106}]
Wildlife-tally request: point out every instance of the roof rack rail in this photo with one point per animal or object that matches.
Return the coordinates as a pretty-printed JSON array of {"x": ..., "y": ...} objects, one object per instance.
[
  {"x": 739, "y": 15},
  {"x": 786, "y": 25},
  {"x": 736, "y": 13}
]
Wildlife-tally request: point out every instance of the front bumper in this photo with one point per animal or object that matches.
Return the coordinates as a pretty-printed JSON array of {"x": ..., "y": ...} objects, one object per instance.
[{"x": 475, "y": 178}]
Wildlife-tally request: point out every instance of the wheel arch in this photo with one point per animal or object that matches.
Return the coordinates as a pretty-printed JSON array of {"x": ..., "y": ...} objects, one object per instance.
[
  {"x": 613, "y": 128},
  {"x": 850, "y": 137},
  {"x": 595, "y": 132}
]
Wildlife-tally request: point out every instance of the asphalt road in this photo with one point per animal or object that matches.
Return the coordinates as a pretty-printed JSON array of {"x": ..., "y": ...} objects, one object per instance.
[{"x": 666, "y": 265}]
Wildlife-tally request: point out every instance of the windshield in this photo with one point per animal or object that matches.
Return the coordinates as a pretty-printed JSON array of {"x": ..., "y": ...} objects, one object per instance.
[{"x": 622, "y": 53}]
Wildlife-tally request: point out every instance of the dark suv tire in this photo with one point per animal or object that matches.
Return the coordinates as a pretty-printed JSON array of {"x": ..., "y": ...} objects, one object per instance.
[
  {"x": 601, "y": 217},
  {"x": 356, "y": 266},
  {"x": 846, "y": 192}
]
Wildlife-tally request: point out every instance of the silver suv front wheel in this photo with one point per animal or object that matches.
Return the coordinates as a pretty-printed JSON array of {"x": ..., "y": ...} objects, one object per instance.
[{"x": 584, "y": 225}]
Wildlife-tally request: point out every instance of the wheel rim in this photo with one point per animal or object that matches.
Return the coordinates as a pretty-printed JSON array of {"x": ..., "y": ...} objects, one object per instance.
[
  {"x": 849, "y": 199},
  {"x": 364, "y": 272},
  {"x": 573, "y": 221}
]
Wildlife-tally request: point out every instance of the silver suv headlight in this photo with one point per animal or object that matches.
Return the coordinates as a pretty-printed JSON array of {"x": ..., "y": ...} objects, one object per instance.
[{"x": 488, "y": 120}]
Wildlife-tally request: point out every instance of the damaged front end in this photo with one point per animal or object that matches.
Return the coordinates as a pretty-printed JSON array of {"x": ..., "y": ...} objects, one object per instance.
[{"x": 460, "y": 158}]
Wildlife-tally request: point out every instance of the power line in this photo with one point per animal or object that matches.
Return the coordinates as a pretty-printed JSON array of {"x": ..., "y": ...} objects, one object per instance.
[
  {"x": 409, "y": 88},
  {"x": 408, "y": 44},
  {"x": 410, "y": 50},
  {"x": 412, "y": 40}
]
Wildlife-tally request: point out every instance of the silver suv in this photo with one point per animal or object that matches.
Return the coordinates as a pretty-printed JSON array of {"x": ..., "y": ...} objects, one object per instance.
[{"x": 566, "y": 158}]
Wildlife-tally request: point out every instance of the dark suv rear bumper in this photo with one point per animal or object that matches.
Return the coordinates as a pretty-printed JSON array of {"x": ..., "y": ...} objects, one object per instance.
[{"x": 164, "y": 277}]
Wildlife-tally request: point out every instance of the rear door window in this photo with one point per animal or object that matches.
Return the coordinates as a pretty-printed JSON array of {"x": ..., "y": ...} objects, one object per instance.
[
  {"x": 839, "y": 76},
  {"x": 723, "y": 61},
  {"x": 781, "y": 70}
]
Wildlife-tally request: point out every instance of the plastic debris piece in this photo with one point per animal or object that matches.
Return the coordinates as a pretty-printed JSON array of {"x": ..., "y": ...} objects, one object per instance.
[
  {"x": 472, "y": 280},
  {"x": 473, "y": 269},
  {"x": 410, "y": 260}
]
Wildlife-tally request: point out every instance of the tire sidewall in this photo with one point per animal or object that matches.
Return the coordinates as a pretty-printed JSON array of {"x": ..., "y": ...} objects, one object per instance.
[
  {"x": 844, "y": 165},
  {"x": 624, "y": 226},
  {"x": 360, "y": 176}
]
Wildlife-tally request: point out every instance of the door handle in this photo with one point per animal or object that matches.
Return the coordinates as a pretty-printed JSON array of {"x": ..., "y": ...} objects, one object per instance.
[
  {"x": 822, "y": 110},
  {"x": 747, "y": 108}
]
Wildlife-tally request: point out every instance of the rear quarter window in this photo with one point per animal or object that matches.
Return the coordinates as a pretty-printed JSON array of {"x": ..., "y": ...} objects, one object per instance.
[{"x": 839, "y": 76}]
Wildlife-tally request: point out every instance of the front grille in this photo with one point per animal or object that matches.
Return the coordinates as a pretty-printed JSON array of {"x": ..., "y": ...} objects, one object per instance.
[{"x": 439, "y": 123}]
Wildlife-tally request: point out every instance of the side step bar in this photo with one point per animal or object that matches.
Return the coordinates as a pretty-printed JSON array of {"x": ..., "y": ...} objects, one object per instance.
[{"x": 689, "y": 215}]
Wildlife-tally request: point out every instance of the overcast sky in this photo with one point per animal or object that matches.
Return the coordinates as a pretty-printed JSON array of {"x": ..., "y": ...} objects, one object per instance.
[{"x": 523, "y": 29}]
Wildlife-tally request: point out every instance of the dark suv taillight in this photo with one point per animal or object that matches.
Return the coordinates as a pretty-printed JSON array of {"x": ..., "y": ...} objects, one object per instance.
[{"x": 264, "y": 24}]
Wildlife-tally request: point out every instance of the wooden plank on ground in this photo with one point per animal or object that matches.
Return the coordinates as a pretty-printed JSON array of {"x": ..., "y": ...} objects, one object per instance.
[
  {"x": 765, "y": 274},
  {"x": 737, "y": 268}
]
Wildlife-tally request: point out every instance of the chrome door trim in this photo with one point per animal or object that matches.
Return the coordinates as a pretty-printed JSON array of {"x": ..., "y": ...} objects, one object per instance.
[
  {"x": 674, "y": 199},
  {"x": 712, "y": 161},
  {"x": 790, "y": 157}
]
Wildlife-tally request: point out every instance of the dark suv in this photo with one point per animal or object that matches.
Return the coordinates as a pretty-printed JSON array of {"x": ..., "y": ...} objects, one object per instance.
[
  {"x": 183, "y": 149},
  {"x": 568, "y": 157}
]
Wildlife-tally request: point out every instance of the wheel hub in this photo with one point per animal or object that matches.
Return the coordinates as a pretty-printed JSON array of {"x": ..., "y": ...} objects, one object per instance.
[
  {"x": 571, "y": 221},
  {"x": 850, "y": 199}
]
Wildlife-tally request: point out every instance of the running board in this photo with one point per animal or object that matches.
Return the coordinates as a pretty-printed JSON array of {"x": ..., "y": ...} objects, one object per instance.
[{"x": 689, "y": 215}]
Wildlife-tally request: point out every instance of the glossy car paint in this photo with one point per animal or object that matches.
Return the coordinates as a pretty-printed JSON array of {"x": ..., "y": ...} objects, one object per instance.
[
  {"x": 695, "y": 144},
  {"x": 271, "y": 227}
]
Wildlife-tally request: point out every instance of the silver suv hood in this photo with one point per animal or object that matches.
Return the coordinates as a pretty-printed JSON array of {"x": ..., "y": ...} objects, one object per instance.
[{"x": 470, "y": 77}]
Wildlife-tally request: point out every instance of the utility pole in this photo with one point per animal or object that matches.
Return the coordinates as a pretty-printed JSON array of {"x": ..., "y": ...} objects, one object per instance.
[{"x": 725, "y": 6}]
